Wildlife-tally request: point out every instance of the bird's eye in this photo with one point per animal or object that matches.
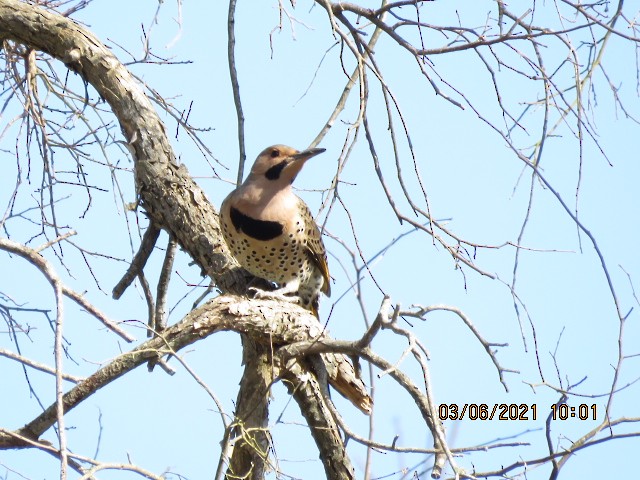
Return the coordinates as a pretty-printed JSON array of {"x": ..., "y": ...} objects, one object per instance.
[{"x": 275, "y": 153}]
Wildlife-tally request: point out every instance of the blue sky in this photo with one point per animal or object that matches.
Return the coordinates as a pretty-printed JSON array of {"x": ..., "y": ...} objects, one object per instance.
[{"x": 473, "y": 182}]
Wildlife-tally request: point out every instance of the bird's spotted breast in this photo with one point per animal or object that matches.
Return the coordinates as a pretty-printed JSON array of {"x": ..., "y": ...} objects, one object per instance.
[{"x": 259, "y": 229}]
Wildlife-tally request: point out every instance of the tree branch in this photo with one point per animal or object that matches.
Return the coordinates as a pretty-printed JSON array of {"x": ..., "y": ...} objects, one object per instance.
[{"x": 265, "y": 322}]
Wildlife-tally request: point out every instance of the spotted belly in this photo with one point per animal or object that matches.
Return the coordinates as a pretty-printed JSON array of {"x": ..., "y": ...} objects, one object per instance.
[{"x": 280, "y": 259}]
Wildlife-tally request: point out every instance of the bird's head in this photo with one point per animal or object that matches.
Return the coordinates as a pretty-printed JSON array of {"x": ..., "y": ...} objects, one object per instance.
[{"x": 280, "y": 164}]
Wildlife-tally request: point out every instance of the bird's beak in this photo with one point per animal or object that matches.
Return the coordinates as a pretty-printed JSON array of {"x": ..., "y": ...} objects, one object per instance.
[
  {"x": 297, "y": 160},
  {"x": 307, "y": 154}
]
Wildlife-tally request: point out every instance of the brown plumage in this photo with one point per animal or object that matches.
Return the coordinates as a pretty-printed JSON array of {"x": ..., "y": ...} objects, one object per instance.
[{"x": 271, "y": 232}]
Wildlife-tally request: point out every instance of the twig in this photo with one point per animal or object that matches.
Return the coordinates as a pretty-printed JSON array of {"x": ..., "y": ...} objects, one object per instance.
[
  {"x": 422, "y": 311},
  {"x": 38, "y": 366},
  {"x": 147, "y": 245},
  {"x": 235, "y": 87},
  {"x": 163, "y": 285},
  {"x": 48, "y": 271}
]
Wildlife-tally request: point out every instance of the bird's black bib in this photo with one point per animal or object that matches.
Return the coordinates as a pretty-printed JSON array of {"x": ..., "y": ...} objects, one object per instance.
[{"x": 259, "y": 229}]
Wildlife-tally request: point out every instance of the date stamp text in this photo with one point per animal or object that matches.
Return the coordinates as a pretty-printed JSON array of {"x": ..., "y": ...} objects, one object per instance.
[{"x": 513, "y": 411}]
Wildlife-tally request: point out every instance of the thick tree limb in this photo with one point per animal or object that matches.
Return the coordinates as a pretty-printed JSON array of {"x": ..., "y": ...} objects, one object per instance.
[
  {"x": 307, "y": 391},
  {"x": 266, "y": 322},
  {"x": 251, "y": 429}
]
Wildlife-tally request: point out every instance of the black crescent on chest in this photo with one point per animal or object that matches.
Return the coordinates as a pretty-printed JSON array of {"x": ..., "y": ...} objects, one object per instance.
[{"x": 259, "y": 229}]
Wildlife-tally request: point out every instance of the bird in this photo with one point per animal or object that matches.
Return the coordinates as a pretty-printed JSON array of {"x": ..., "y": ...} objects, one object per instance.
[{"x": 270, "y": 230}]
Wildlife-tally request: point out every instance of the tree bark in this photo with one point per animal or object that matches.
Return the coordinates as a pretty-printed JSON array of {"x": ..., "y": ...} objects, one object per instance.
[
  {"x": 251, "y": 436},
  {"x": 307, "y": 391}
]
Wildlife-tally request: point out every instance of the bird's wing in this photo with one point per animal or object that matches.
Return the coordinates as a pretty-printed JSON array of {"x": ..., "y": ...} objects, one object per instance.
[{"x": 315, "y": 247}]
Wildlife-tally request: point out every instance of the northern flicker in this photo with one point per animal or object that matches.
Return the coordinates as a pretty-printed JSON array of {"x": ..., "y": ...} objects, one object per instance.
[{"x": 271, "y": 232}]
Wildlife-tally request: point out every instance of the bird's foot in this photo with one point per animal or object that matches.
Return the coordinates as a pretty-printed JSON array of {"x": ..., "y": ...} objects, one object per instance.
[{"x": 283, "y": 294}]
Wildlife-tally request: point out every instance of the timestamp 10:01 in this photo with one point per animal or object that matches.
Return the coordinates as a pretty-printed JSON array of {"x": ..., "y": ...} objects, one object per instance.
[
  {"x": 582, "y": 411},
  {"x": 514, "y": 411}
]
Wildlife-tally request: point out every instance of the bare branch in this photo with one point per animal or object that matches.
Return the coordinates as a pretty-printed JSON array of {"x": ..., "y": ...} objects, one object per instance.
[
  {"x": 147, "y": 245},
  {"x": 48, "y": 271}
]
